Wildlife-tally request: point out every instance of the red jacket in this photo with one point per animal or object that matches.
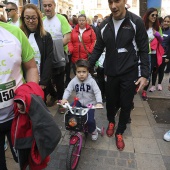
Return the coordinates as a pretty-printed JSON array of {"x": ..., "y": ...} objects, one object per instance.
[
  {"x": 76, "y": 48},
  {"x": 34, "y": 129},
  {"x": 155, "y": 45}
]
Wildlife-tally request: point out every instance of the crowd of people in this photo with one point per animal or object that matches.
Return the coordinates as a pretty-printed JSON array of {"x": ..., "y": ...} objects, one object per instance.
[{"x": 126, "y": 51}]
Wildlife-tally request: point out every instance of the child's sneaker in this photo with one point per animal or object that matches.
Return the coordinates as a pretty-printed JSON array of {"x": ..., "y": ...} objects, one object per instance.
[
  {"x": 6, "y": 145},
  {"x": 94, "y": 135}
]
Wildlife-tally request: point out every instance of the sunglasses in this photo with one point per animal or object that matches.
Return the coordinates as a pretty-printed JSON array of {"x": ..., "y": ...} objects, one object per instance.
[
  {"x": 9, "y": 10},
  {"x": 154, "y": 15}
]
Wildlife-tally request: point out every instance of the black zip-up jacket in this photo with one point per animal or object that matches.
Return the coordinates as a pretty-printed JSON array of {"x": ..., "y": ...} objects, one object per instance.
[
  {"x": 45, "y": 45},
  {"x": 122, "y": 53},
  {"x": 166, "y": 41}
]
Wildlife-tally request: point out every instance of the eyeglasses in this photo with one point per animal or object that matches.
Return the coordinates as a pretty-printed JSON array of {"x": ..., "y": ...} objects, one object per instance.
[
  {"x": 9, "y": 10},
  {"x": 27, "y": 18},
  {"x": 154, "y": 15}
]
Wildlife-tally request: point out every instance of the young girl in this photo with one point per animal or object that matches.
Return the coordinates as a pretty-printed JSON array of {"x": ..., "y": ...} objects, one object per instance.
[
  {"x": 165, "y": 57},
  {"x": 154, "y": 34}
]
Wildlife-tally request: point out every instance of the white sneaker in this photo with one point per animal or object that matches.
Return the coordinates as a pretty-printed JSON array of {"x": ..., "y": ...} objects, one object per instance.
[
  {"x": 152, "y": 89},
  {"x": 5, "y": 146},
  {"x": 159, "y": 87},
  {"x": 167, "y": 136},
  {"x": 94, "y": 135}
]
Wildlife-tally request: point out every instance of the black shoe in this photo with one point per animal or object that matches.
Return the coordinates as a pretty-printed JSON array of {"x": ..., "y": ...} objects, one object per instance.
[
  {"x": 132, "y": 107},
  {"x": 166, "y": 71},
  {"x": 51, "y": 102},
  {"x": 129, "y": 120}
]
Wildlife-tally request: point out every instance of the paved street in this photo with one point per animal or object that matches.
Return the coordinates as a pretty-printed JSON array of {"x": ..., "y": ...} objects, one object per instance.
[{"x": 145, "y": 149}]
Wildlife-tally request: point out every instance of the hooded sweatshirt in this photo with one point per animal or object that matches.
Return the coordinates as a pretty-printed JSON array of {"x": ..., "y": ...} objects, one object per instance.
[{"x": 87, "y": 91}]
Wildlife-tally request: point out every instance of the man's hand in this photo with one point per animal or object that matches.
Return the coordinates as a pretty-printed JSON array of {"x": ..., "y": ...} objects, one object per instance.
[
  {"x": 142, "y": 82},
  {"x": 21, "y": 108},
  {"x": 63, "y": 101},
  {"x": 166, "y": 60},
  {"x": 43, "y": 87}
]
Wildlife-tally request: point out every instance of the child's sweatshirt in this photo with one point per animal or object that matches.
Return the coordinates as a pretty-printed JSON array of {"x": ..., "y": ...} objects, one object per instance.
[{"x": 87, "y": 91}]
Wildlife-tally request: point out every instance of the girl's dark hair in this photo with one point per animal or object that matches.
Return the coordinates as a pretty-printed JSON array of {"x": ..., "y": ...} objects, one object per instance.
[
  {"x": 146, "y": 19},
  {"x": 161, "y": 20},
  {"x": 82, "y": 63}
]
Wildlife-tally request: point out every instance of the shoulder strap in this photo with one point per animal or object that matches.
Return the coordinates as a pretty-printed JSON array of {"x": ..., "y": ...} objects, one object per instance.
[{"x": 81, "y": 40}]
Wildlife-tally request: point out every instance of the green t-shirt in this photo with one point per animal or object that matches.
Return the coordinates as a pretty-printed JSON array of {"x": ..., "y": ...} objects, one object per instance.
[{"x": 14, "y": 49}]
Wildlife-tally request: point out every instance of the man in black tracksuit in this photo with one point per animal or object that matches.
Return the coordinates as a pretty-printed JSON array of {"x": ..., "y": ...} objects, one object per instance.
[{"x": 124, "y": 36}]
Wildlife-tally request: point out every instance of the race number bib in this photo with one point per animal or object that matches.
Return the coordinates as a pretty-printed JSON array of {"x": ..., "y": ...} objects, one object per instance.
[{"x": 7, "y": 94}]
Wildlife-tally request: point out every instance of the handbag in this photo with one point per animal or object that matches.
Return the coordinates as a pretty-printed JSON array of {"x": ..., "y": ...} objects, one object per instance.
[{"x": 81, "y": 40}]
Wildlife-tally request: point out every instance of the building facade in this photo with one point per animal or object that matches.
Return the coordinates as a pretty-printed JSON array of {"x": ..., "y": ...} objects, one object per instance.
[
  {"x": 65, "y": 7},
  {"x": 92, "y": 7},
  {"x": 99, "y": 7}
]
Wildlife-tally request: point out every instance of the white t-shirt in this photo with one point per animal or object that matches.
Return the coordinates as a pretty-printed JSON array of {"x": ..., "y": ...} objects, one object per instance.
[
  {"x": 53, "y": 26},
  {"x": 36, "y": 50},
  {"x": 15, "y": 23},
  {"x": 117, "y": 24},
  {"x": 151, "y": 37},
  {"x": 57, "y": 26},
  {"x": 82, "y": 30}
]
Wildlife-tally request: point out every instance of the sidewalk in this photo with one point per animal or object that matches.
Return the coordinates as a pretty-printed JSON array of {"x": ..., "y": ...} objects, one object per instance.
[{"x": 145, "y": 149}]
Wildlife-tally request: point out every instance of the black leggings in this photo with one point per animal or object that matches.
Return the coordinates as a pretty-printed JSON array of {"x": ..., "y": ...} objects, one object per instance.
[
  {"x": 5, "y": 130},
  {"x": 153, "y": 68},
  {"x": 57, "y": 82},
  {"x": 159, "y": 72}
]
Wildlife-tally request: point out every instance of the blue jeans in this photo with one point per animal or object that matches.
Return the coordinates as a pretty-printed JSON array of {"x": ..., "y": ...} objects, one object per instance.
[{"x": 91, "y": 123}]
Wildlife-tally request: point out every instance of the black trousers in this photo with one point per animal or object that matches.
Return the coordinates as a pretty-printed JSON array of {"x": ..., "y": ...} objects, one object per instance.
[
  {"x": 120, "y": 92},
  {"x": 101, "y": 80},
  {"x": 5, "y": 130},
  {"x": 68, "y": 69},
  {"x": 167, "y": 66},
  {"x": 57, "y": 83}
]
